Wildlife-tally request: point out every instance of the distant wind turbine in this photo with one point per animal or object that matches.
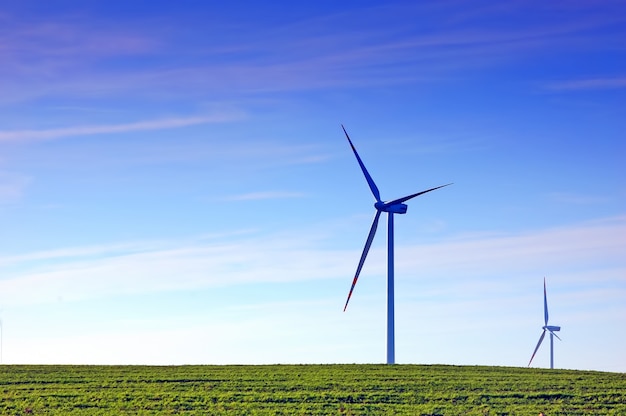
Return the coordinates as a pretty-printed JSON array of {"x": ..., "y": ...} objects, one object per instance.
[
  {"x": 395, "y": 206},
  {"x": 546, "y": 327}
]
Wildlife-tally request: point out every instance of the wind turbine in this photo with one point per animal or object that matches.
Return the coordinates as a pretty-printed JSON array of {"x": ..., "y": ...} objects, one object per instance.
[
  {"x": 550, "y": 328},
  {"x": 395, "y": 206}
]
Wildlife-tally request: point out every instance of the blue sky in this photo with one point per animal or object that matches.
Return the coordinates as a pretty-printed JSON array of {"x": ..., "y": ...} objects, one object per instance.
[{"x": 175, "y": 186}]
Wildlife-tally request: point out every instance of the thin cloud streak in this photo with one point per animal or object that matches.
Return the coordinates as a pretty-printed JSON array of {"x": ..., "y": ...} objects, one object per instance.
[
  {"x": 157, "y": 124},
  {"x": 601, "y": 241},
  {"x": 588, "y": 84},
  {"x": 256, "y": 196},
  {"x": 577, "y": 199},
  {"x": 24, "y": 41},
  {"x": 12, "y": 187}
]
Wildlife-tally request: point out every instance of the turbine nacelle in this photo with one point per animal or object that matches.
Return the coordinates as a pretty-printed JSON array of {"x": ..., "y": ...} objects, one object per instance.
[
  {"x": 552, "y": 328},
  {"x": 391, "y": 207}
]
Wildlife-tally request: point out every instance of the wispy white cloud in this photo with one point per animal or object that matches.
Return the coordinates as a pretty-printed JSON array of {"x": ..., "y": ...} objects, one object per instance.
[
  {"x": 12, "y": 186},
  {"x": 255, "y": 196},
  {"x": 578, "y": 199},
  {"x": 70, "y": 254},
  {"x": 459, "y": 290},
  {"x": 317, "y": 53},
  {"x": 184, "y": 267},
  {"x": 298, "y": 256},
  {"x": 588, "y": 84},
  {"x": 155, "y": 124},
  {"x": 593, "y": 244},
  {"x": 363, "y": 59},
  {"x": 64, "y": 38}
]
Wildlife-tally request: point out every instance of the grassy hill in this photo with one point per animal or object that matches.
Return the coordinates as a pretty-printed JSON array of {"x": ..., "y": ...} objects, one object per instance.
[{"x": 308, "y": 390}]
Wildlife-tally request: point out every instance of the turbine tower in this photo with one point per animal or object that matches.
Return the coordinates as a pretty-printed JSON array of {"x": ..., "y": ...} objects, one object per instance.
[
  {"x": 392, "y": 207},
  {"x": 550, "y": 328}
]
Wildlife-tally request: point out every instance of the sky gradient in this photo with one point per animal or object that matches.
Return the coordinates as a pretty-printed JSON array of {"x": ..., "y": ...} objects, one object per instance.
[{"x": 175, "y": 186}]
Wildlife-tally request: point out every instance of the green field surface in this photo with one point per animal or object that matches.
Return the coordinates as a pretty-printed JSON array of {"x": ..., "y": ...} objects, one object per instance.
[{"x": 307, "y": 390}]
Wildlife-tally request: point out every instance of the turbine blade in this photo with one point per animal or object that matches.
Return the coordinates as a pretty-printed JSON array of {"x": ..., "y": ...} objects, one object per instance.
[
  {"x": 406, "y": 198},
  {"x": 545, "y": 302},
  {"x": 366, "y": 249},
  {"x": 368, "y": 178},
  {"x": 543, "y": 334},
  {"x": 556, "y": 336}
]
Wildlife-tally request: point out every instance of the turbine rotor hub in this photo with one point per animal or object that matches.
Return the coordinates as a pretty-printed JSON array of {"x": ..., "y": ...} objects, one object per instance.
[{"x": 393, "y": 208}]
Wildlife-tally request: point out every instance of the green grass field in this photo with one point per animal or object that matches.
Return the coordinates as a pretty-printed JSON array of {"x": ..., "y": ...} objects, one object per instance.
[{"x": 308, "y": 390}]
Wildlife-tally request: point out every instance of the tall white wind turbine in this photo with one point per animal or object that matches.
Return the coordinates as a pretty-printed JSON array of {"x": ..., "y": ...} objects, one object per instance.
[
  {"x": 549, "y": 328},
  {"x": 395, "y": 206}
]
